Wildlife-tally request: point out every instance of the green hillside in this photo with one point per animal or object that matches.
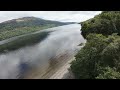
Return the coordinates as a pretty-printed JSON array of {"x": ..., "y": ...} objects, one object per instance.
[
  {"x": 25, "y": 25},
  {"x": 100, "y": 57},
  {"x": 106, "y": 23}
]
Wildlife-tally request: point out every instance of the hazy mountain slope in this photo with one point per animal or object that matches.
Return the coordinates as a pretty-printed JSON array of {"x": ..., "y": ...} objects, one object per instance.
[{"x": 25, "y": 25}]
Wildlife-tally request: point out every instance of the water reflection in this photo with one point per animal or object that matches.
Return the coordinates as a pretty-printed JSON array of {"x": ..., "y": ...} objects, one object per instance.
[{"x": 19, "y": 63}]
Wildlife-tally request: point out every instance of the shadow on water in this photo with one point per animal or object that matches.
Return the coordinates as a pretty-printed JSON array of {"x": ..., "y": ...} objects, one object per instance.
[
  {"x": 39, "y": 60},
  {"x": 23, "y": 68},
  {"x": 27, "y": 40}
]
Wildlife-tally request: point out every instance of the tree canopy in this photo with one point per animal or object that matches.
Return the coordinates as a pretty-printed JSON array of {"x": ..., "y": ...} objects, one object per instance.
[
  {"x": 100, "y": 57},
  {"x": 99, "y": 52},
  {"x": 106, "y": 23}
]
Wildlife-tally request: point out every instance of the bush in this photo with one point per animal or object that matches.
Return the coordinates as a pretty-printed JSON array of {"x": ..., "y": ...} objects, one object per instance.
[
  {"x": 106, "y": 23},
  {"x": 108, "y": 73},
  {"x": 100, "y": 57},
  {"x": 96, "y": 53},
  {"x": 111, "y": 54}
]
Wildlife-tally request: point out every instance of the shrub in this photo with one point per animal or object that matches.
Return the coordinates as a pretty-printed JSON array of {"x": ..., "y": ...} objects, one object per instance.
[
  {"x": 108, "y": 73},
  {"x": 106, "y": 23},
  {"x": 97, "y": 52}
]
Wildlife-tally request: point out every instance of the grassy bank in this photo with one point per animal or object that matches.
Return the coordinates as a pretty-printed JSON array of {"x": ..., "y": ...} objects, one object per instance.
[{"x": 23, "y": 41}]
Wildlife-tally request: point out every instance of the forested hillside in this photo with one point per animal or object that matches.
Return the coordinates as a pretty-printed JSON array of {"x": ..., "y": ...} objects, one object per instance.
[
  {"x": 100, "y": 57},
  {"x": 25, "y": 25},
  {"x": 106, "y": 23}
]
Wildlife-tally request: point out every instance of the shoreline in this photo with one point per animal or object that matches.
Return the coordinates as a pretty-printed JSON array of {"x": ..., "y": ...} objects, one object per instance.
[
  {"x": 63, "y": 72},
  {"x": 55, "y": 71}
]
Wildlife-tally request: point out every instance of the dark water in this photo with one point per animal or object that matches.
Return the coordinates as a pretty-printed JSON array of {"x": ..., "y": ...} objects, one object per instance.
[{"x": 63, "y": 39}]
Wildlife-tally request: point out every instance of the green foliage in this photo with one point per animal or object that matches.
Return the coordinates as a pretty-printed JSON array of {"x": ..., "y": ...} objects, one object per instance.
[
  {"x": 108, "y": 73},
  {"x": 106, "y": 23},
  {"x": 111, "y": 54},
  {"x": 100, "y": 57},
  {"x": 99, "y": 51}
]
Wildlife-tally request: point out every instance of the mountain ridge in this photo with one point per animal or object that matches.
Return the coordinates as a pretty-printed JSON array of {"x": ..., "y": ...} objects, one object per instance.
[
  {"x": 31, "y": 18},
  {"x": 24, "y": 25}
]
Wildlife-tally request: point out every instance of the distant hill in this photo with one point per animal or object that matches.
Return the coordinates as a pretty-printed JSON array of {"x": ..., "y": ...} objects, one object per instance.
[
  {"x": 27, "y": 22},
  {"x": 16, "y": 27}
]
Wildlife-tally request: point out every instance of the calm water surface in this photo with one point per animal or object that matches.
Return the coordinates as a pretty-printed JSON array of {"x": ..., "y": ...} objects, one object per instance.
[{"x": 62, "y": 43}]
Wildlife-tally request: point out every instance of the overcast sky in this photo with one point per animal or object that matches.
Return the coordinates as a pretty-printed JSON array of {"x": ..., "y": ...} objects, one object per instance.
[{"x": 64, "y": 16}]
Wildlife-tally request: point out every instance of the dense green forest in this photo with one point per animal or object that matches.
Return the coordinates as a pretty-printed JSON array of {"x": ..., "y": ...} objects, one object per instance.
[
  {"x": 106, "y": 23},
  {"x": 100, "y": 57},
  {"x": 25, "y": 25}
]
